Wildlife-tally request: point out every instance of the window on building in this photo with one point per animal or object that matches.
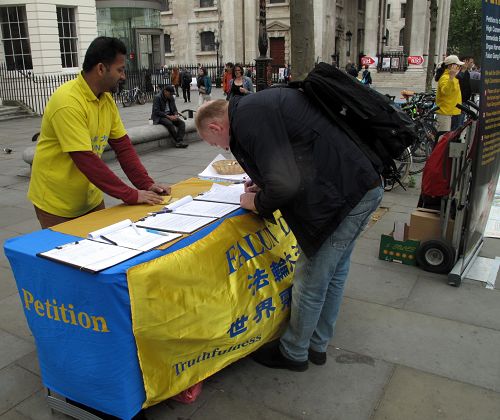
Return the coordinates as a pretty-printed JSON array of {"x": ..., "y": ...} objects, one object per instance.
[
  {"x": 167, "y": 5},
  {"x": 207, "y": 41},
  {"x": 388, "y": 15},
  {"x": 206, "y": 3},
  {"x": 402, "y": 36},
  {"x": 277, "y": 1},
  {"x": 15, "y": 39},
  {"x": 167, "y": 42},
  {"x": 361, "y": 5},
  {"x": 403, "y": 10},
  {"x": 386, "y": 37},
  {"x": 68, "y": 41}
]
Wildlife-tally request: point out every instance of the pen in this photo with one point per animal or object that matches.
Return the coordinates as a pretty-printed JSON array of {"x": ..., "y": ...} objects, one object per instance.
[
  {"x": 160, "y": 212},
  {"x": 109, "y": 240}
]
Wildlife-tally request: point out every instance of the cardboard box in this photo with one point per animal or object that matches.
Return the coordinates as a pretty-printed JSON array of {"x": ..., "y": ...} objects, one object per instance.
[
  {"x": 404, "y": 251},
  {"x": 425, "y": 224}
]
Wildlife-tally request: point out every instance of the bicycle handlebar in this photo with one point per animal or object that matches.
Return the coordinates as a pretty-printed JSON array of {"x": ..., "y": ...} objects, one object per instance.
[{"x": 470, "y": 113}]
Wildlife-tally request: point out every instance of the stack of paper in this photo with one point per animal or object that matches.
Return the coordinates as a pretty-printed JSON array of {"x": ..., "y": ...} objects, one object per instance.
[
  {"x": 108, "y": 246},
  {"x": 223, "y": 194},
  {"x": 127, "y": 235},
  {"x": 88, "y": 255},
  {"x": 187, "y": 215}
]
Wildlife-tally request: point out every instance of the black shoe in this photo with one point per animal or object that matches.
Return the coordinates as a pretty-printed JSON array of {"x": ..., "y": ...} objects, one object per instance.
[
  {"x": 181, "y": 145},
  {"x": 317, "y": 357},
  {"x": 271, "y": 357}
]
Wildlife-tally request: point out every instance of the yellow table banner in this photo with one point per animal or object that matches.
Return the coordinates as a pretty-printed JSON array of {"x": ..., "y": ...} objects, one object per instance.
[{"x": 201, "y": 308}]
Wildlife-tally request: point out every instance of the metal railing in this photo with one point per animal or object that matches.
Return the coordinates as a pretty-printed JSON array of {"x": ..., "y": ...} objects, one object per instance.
[
  {"x": 392, "y": 61},
  {"x": 35, "y": 90}
]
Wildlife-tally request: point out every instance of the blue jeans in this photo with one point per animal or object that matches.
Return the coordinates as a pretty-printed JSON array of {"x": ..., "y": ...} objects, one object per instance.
[{"x": 318, "y": 284}]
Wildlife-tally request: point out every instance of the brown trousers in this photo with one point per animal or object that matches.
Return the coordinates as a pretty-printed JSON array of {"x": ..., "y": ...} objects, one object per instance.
[{"x": 48, "y": 220}]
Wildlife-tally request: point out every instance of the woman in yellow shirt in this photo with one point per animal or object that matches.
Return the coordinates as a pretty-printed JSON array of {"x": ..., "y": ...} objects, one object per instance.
[{"x": 448, "y": 93}]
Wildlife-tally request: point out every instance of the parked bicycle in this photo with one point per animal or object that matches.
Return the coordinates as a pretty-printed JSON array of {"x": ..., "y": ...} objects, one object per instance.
[{"x": 128, "y": 96}]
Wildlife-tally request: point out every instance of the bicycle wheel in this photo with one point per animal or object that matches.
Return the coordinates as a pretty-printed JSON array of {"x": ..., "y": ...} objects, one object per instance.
[
  {"x": 403, "y": 166},
  {"x": 420, "y": 151},
  {"x": 141, "y": 97},
  {"x": 126, "y": 98}
]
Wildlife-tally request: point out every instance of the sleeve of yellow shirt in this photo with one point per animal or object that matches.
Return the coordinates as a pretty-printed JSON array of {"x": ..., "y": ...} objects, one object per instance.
[{"x": 69, "y": 125}]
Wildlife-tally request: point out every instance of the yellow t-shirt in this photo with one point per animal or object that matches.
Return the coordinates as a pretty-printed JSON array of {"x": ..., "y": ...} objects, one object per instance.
[
  {"x": 448, "y": 95},
  {"x": 75, "y": 120}
]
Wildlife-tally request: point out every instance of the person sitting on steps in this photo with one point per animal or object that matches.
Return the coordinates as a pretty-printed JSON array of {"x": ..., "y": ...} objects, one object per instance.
[{"x": 165, "y": 113}]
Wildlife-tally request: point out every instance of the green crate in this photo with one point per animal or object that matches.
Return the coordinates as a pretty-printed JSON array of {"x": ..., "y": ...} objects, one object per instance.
[{"x": 403, "y": 252}]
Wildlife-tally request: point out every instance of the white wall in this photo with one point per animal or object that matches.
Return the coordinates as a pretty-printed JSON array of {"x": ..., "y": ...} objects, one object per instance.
[{"x": 44, "y": 35}]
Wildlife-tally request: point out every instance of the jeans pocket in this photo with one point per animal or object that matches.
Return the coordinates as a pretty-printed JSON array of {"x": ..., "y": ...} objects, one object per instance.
[{"x": 356, "y": 220}]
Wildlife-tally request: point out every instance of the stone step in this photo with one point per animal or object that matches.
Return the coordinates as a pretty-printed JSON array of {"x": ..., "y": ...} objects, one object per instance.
[
  {"x": 16, "y": 116},
  {"x": 13, "y": 112}
]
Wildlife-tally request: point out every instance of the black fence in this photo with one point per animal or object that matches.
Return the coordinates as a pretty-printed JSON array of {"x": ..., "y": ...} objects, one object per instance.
[
  {"x": 392, "y": 61},
  {"x": 35, "y": 90}
]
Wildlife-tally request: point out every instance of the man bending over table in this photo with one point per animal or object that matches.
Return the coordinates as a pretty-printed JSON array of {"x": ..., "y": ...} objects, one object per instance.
[{"x": 81, "y": 118}]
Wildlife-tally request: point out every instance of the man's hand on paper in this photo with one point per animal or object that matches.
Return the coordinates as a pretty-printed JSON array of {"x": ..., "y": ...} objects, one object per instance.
[
  {"x": 148, "y": 197},
  {"x": 250, "y": 187},
  {"x": 160, "y": 189},
  {"x": 247, "y": 201}
]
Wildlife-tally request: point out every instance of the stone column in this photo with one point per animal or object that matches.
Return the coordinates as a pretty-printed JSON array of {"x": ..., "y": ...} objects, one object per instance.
[
  {"x": 442, "y": 32},
  {"x": 419, "y": 27},
  {"x": 372, "y": 40}
]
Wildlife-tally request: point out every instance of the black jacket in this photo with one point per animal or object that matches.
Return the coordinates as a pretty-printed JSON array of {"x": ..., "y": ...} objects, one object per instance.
[
  {"x": 159, "y": 106},
  {"x": 305, "y": 166},
  {"x": 465, "y": 87}
]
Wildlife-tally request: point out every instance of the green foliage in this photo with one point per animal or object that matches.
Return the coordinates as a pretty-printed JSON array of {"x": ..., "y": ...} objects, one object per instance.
[{"x": 464, "y": 35}]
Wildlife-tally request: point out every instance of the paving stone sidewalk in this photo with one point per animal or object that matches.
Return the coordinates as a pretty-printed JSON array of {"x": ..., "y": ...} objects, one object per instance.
[{"x": 407, "y": 346}]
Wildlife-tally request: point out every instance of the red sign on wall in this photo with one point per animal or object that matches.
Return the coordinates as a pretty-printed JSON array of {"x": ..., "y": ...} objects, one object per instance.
[
  {"x": 416, "y": 60},
  {"x": 367, "y": 60}
]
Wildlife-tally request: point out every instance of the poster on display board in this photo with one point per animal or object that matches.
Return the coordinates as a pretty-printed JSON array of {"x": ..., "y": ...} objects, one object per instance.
[{"x": 486, "y": 158}]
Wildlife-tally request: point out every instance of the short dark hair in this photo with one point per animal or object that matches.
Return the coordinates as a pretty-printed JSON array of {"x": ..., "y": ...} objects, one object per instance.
[{"x": 103, "y": 49}]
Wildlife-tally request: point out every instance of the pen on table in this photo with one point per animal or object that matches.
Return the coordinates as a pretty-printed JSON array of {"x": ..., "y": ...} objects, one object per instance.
[
  {"x": 160, "y": 212},
  {"x": 108, "y": 240}
]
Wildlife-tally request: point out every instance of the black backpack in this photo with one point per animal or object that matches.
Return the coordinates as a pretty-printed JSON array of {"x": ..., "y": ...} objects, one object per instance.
[{"x": 380, "y": 129}]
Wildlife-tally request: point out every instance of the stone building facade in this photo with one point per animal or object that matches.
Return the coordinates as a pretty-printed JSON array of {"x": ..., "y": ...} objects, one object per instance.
[
  {"x": 53, "y": 37},
  {"x": 46, "y": 36},
  {"x": 203, "y": 30}
]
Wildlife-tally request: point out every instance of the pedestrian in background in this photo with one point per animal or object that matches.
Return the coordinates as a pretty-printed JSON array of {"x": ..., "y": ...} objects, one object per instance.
[
  {"x": 176, "y": 80},
  {"x": 228, "y": 76},
  {"x": 186, "y": 79},
  {"x": 350, "y": 68},
  {"x": 326, "y": 190},
  {"x": 286, "y": 73},
  {"x": 366, "y": 77},
  {"x": 165, "y": 112},
  {"x": 465, "y": 88},
  {"x": 448, "y": 93},
  {"x": 239, "y": 85},
  {"x": 204, "y": 83}
]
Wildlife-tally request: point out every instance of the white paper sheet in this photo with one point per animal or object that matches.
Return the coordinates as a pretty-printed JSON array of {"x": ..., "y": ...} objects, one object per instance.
[
  {"x": 127, "y": 235},
  {"x": 90, "y": 255},
  {"x": 211, "y": 174},
  {"x": 173, "y": 222},
  {"x": 223, "y": 194}
]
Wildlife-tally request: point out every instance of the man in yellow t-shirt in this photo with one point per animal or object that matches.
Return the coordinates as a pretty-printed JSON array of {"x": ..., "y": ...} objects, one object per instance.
[{"x": 81, "y": 118}]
